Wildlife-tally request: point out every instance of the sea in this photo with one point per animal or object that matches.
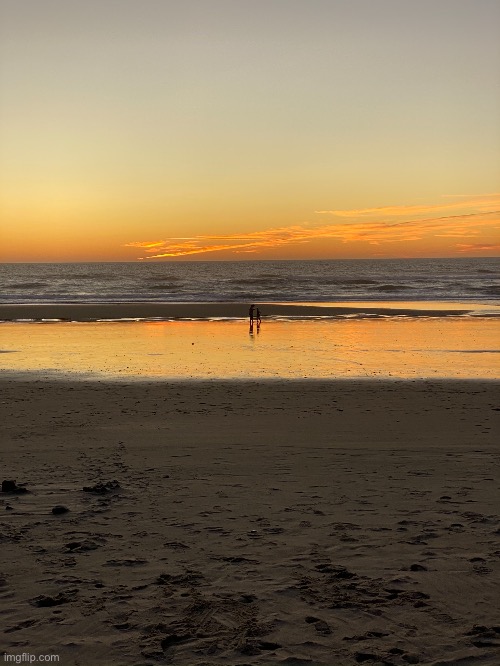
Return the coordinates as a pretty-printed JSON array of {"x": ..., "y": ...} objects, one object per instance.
[
  {"x": 442, "y": 280},
  {"x": 384, "y": 331}
]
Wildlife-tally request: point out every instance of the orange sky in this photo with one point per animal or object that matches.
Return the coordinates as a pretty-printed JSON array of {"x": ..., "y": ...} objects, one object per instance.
[
  {"x": 233, "y": 129},
  {"x": 454, "y": 227}
]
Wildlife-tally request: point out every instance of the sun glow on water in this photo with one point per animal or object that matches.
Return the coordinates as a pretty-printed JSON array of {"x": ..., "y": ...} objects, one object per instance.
[{"x": 397, "y": 348}]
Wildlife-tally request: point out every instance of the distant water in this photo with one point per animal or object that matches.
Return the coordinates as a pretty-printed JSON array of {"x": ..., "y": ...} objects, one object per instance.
[{"x": 471, "y": 280}]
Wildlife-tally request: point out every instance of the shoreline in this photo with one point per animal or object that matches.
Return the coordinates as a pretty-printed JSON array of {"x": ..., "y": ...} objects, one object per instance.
[{"x": 124, "y": 311}]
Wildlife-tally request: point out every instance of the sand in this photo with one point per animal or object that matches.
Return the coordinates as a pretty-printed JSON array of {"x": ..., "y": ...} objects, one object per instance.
[
  {"x": 320, "y": 522},
  {"x": 94, "y": 311},
  {"x": 392, "y": 347}
]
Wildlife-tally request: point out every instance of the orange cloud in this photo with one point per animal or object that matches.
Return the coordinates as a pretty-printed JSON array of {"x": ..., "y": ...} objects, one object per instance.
[
  {"x": 375, "y": 231},
  {"x": 478, "y": 247},
  {"x": 146, "y": 245},
  {"x": 479, "y": 204}
]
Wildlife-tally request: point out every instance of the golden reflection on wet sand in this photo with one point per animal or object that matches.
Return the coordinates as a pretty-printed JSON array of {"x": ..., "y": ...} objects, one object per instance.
[{"x": 403, "y": 348}]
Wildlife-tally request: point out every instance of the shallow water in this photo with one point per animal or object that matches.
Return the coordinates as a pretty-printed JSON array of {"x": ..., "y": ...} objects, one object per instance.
[{"x": 450, "y": 347}]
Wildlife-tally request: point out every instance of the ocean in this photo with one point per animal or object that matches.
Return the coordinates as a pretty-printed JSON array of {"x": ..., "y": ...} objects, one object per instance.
[
  {"x": 441, "y": 280},
  {"x": 187, "y": 320}
]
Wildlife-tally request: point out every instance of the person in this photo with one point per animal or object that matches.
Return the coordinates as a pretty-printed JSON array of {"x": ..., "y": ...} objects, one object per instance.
[
  {"x": 250, "y": 314},
  {"x": 258, "y": 318}
]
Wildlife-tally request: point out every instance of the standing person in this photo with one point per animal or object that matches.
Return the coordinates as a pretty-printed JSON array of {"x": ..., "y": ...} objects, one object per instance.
[
  {"x": 258, "y": 318},
  {"x": 250, "y": 314}
]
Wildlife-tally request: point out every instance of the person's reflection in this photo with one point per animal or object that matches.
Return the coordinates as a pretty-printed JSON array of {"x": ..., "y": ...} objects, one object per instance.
[{"x": 251, "y": 318}]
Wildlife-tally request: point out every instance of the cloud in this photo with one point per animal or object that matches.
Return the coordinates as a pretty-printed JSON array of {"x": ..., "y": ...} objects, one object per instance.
[
  {"x": 478, "y": 247},
  {"x": 196, "y": 245},
  {"x": 475, "y": 220},
  {"x": 479, "y": 204},
  {"x": 146, "y": 244}
]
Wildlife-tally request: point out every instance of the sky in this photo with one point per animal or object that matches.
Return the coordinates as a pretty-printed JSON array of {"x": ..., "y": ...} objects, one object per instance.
[{"x": 155, "y": 130}]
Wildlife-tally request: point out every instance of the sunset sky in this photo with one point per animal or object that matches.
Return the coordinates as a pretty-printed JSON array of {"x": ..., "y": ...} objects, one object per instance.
[{"x": 249, "y": 129}]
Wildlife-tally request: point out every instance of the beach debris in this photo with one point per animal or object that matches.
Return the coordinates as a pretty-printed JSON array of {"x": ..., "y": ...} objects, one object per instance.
[
  {"x": 10, "y": 486},
  {"x": 59, "y": 509},
  {"x": 101, "y": 488}
]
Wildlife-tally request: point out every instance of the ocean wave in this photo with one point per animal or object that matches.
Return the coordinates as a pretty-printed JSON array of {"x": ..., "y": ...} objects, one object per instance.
[
  {"x": 262, "y": 282},
  {"x": 350, "y": 281},
  {"x": 90, "y": 276},
  {"x": 342, "y": 280},
  {"x": 164, "y": 286},
  {"x": 28, "y": 285},
  {"x": 491, "y": 290},
  {"x": 161, "y": 276},
  {"x": 269, "y": 276},
  {"x": 392, "y": 287}
]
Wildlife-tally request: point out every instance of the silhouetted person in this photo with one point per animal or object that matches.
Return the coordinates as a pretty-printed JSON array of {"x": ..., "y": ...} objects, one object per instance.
[
  {"x": 258, "y": 319},
  {"x": 251, "y": 317}
]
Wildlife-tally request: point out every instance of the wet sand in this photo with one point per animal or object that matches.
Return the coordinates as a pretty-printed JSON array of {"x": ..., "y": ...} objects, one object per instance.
[
  {"x": 459, "y": 347},
  {"x": 281, "y": 522},
  {"x": 92, "y": 312}
]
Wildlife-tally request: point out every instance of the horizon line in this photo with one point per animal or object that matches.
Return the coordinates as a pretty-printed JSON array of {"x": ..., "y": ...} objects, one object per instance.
[{"x": 212, "y": 261}]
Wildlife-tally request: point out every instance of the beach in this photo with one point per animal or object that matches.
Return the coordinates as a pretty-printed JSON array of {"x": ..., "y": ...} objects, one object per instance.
[
  {"x": 322, "y": 490},
  {"x": 249, "y": 333},
  {"x": 252, "y": 522}
]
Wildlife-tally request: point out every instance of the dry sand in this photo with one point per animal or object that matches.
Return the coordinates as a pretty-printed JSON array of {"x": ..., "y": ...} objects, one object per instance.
[{"x": 329, "y": 523}]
